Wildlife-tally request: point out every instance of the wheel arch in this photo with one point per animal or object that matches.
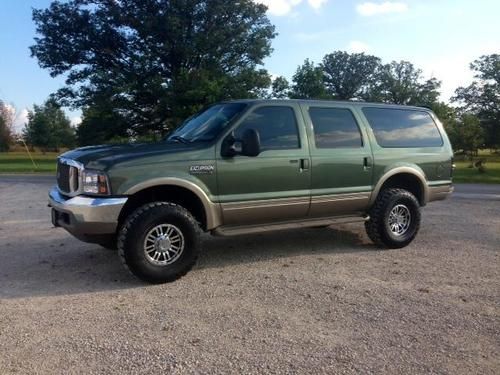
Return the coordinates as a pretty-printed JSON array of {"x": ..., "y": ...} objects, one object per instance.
[
  {"x": 405, "y": 177},
  {"x": 175, "y": 190}
]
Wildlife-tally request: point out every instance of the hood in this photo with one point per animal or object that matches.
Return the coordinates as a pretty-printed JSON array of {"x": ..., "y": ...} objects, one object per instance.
[{"x": 104, "y": 156}]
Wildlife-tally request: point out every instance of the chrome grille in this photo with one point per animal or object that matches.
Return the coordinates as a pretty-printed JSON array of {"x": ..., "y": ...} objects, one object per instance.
[{"x": 67, "y": 177}]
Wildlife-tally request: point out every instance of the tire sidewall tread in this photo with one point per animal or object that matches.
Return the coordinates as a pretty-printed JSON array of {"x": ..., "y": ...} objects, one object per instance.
[
  {"x": 134, "y": 229},
  {"x": 377, "y": 228}
]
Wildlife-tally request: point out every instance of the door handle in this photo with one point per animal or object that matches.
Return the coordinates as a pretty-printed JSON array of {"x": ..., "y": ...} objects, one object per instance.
[
  {"x": 367, "y": 162},
  {"x": 304, "y": 164}
]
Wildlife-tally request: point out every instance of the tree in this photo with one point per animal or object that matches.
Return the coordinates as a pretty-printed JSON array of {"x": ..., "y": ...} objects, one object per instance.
[
  {"x": 280, "y": 88},
  {"x": 482, "y": 97},
  {"x": 48, "y": 127},
  {"x": 308, "y": 82},
  {"x": 466, "y": 134},
  {"x": 349, "y": 76},
  {"x": 6, "y": 123},
  {"x": 100, "y": 125},
  {"x": 401, "y": 83},
  {"x": 155, "y": 61}
]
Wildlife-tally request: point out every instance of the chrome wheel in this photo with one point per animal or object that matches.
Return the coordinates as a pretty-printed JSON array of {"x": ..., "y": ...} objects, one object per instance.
[
  {"x": 399, "y": 219},
  {"x": 163, "y": 244}
]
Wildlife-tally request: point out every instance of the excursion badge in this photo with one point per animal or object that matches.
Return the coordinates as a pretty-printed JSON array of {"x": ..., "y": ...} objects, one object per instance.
[{"x": 201, "y": 169}]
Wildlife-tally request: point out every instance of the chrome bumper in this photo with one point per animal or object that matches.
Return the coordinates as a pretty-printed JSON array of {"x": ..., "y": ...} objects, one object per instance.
[{"x": 85, "y": 217}]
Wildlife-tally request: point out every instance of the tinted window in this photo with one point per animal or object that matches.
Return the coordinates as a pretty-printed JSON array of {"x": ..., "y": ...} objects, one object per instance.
[
  {"x": 335, "y": 128},
  {"x": 276, "y": 125},
  {"x": 403, "y": 128}
]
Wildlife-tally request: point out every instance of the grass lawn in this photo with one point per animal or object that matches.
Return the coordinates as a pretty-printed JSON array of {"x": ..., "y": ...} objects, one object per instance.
[
  {"x": 19, "y": 162},
  {"x": 464, "y": 174}
]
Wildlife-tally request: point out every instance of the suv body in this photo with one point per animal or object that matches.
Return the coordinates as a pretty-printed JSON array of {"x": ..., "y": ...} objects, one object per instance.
[{"x": 255, "y": 165}]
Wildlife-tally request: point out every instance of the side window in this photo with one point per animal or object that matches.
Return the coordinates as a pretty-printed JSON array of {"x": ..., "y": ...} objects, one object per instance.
[
  {"x": 335, "y": 128},
  {"x": 403, "y": 127},
  {"x": 276, "y": 125}
]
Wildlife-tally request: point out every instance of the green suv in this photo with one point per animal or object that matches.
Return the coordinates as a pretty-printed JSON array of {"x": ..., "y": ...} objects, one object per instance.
[{"x": 253, "y": 165}]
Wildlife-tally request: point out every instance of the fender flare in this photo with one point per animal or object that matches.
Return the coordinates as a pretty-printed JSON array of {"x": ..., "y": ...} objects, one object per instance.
[
  {"x": 212, "y": 210},
  {"x": 399, "y": 170}
]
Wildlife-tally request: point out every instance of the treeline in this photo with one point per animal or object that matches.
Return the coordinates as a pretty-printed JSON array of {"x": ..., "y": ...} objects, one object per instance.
[
  {"x": 472, "y": 122},
  {"x": 137, "y": 68}
]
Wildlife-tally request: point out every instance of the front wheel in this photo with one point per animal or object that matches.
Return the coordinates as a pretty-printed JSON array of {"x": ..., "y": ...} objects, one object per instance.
[
  {"x": 394, "y": 219},
  {"x": 159, "y": 242}
]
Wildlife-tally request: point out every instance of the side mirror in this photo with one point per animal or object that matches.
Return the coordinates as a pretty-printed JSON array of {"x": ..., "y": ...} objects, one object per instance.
[{"x": 250, "y": 143}]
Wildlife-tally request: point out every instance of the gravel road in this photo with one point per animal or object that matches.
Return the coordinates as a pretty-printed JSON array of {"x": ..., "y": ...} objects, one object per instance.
[{"x": 301, "y": 301}]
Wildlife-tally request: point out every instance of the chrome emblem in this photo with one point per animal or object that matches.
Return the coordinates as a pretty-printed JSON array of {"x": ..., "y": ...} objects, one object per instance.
[{"x": 201, "y": 169}]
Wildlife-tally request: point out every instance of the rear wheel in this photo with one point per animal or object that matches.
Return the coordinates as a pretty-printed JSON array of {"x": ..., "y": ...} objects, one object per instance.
[
  {"x": 394, "y": 219},
  {"x": 159, "y": 242}
]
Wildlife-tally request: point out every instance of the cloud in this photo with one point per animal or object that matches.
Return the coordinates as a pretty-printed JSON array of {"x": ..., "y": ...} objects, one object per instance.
[
  {"x": 356, "y": 46},
  {"x": 316, "y": 4},
  {"x": 75, "y": 121},
  {"x": 285, "y": 7},
  {"x": 368, "y": 9},
  {"x": 20, "y": 120}
]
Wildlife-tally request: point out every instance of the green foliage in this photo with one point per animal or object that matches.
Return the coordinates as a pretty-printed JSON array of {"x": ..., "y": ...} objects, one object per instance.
[
  {"x": 466, "y": 134},
  {"x": 482, "y": 97},
  {"x": 349, "y": 76},
  {"x": 48, "y": 127},
  {"x": 280, "y": 88},
  {"x": 6, "y": 137},
  {"x": 401, "y": 83},
  {"x": 308, "y": 82},
  {"x": 154, "y": 61},
  {"x": 99, "y": 125}
]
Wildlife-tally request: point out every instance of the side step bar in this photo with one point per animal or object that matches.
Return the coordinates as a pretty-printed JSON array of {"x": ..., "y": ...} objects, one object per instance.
[{"x": 307, "y": 223}]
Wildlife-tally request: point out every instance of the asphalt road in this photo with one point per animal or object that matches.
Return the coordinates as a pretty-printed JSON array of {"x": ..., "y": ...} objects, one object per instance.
[{"x": 300, "y": 301}]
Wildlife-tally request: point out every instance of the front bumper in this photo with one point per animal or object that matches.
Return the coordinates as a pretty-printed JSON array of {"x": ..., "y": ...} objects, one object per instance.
[{"x": 86, "y": 218}]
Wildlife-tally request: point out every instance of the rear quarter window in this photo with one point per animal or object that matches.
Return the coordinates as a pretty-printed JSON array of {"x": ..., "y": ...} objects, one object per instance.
[{"x": 403, "y": 127}]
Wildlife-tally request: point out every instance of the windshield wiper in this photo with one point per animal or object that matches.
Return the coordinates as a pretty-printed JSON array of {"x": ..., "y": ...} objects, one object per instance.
[{"x": 180, "y": 139}]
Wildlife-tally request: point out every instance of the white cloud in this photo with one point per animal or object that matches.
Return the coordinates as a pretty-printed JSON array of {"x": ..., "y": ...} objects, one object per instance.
[
  {"x": 75, "y": 121},
  {"x": 285, "y": 7},
  {"x": 356, "y": 46},
  {"x": 20, "y": 120},
  {"x": 316, "y": 4},
  {"x": 368, "y": 9}
]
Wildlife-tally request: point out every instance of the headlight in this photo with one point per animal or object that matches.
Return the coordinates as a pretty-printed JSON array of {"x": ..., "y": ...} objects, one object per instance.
[{"x": 95, "y": 182}]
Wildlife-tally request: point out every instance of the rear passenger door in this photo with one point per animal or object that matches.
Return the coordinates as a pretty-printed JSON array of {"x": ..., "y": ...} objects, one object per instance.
[
  {"x": 275, "y": 185},
  {"x": 342, "y": 160}
]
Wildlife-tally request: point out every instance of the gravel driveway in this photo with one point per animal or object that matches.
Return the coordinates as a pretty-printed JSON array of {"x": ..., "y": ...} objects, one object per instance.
[{"x": 300, "y": 301}]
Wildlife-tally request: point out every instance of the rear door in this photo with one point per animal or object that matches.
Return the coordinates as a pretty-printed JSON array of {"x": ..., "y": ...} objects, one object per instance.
[
  {"x": 342, "y": 160},
  {"x": 275, "y": 185}
]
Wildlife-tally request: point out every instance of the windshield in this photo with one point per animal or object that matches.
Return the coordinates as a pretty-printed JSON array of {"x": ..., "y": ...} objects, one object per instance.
[{"x": 208, "y": 124}]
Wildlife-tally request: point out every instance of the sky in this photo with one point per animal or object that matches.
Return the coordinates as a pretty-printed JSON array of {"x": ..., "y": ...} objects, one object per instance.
[{"x": 441, "y": 37}]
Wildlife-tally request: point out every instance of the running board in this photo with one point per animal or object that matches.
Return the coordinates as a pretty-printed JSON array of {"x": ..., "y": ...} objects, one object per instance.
[{"x": 324, "y": 222}]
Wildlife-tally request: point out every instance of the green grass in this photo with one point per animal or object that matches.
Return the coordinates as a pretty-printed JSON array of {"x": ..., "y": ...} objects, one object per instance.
[
  {"x": 19, "y": 162},
  {"x": 464, "y": 174}
]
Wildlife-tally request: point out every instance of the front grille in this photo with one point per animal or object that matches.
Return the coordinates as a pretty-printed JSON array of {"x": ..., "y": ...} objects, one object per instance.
[{"x": 67, "y": 178}]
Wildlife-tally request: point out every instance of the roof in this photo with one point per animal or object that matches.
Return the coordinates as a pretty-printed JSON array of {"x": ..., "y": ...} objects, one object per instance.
[{"x": 326, "y": 102}]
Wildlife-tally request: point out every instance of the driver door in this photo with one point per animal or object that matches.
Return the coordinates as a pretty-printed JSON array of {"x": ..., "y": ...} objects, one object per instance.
[{"x": 275, "y": 185}]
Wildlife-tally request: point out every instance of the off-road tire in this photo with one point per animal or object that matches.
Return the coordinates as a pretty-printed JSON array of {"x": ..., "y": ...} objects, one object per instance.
[
  {"x": 134, "y": 230},
  {"x": 377, "y": 227}
]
